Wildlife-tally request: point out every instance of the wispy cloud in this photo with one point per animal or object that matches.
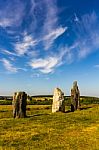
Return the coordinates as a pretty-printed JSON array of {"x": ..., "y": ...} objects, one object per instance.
[
  {"x": 44, "y": 65},
  {"x": 5, "y": 22},
  {"x": 12, "y": 14},
  {"x": 9, "y": 66},
  {"x": 48, "y": 64},
  {"x": 51, "y": 29},
  {"x": 23, "y": 46},
  {"x": 51, "y": 19},
  {"x": 87, "y": 34},
  {"x": 53, "y": 35},
  {"x": 36, "y": 11},
  {"x": 8, "y": 52},
  {"x": 40, "y": 29}
]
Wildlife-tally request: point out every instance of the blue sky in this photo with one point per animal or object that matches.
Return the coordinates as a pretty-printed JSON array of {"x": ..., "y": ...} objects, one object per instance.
[{"x": 49, "y": 43}]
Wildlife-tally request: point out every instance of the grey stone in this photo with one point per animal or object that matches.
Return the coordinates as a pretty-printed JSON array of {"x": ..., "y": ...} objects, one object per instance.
[
  {"x": 58, "y": 101},
  {"x": 75, "y": 97},
  {"x": 19, "y": 104}
]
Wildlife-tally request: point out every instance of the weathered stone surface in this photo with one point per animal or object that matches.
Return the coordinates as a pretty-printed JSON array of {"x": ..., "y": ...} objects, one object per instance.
[
  {"x": 58, "y": 101},
  {"x": 75, "y": 97},
  {"x": 19, "y": 104}
]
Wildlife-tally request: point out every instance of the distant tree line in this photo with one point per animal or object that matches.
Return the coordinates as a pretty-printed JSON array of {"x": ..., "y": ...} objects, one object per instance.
[{"x": 47, "y": 100}]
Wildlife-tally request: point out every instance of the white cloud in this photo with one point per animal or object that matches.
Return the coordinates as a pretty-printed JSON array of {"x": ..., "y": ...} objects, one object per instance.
[
  {"x": 44, "y": 65},
  {"x": 83, "y": 51},
  {"x": 34, "y": 22},
  {"x": 51, "y": 30},
  {"x": 51, "y": 16},
  {"x": 5, "y": 22},
  {"x": 48, "y": 64},
  {"x": 23, "y": 46},
  {"x": 86, "y": 31},
  {"x": 8, "y": 52},
  {"x": 12, "y": 14},
  {"x": 56, "y": 33},
  {"x": 9, "y": 66},
  {"x": 53, "y": 35}
]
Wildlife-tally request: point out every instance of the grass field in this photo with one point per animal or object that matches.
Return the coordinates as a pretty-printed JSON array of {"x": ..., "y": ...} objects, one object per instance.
[{"x": 42, "y": 130}]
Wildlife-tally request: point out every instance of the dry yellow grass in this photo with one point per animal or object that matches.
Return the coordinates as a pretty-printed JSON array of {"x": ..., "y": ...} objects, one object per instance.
[{"x": 42, "y": 130}]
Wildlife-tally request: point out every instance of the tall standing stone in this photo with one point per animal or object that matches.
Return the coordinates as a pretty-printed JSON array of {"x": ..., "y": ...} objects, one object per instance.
[
  {"x": 75, "y": 97},
  {"x": 19, "y": 104},
  {"x": 58, "y": 101}
]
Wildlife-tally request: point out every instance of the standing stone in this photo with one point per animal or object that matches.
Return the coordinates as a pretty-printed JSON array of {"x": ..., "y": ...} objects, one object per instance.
[
  {"x": 58, "y": 101},
  {"x": 75, "y": 97},
  {"x": 19, "y": 104}
]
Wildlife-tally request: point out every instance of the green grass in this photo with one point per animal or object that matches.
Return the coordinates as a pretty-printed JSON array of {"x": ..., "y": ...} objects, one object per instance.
[{"x": 42, "y": 130}]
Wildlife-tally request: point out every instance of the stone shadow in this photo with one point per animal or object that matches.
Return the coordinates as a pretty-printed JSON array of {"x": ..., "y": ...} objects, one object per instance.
[
  {"x": 35, "y": 115},
  {"x": 82, "y": 108},
  {"x": 85, "y": 108}
]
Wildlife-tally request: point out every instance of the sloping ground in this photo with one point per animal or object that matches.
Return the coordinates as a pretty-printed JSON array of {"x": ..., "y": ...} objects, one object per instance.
[{"x": 42, "y": 130}]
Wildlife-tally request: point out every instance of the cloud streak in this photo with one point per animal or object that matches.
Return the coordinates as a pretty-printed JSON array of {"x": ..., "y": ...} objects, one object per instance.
[
  {"x": 87, "y": 35},
  {"x": 23, "y": 46},
  {"x": 51, "y": 30},
  {"x": 7, "y": 52},
  {"x": 53, "y": 35},
  {"x": 9, "y": 66},
  {"x": 49, "y": 63},
  {"x": 12, "y": 15}
]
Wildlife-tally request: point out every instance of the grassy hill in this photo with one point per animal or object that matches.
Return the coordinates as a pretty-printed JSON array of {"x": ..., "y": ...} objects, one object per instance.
[{"x": 42, "y": 130}]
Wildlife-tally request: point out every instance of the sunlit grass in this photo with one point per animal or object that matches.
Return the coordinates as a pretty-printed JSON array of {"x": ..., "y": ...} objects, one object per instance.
[{"x": 42, "y": 130}]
